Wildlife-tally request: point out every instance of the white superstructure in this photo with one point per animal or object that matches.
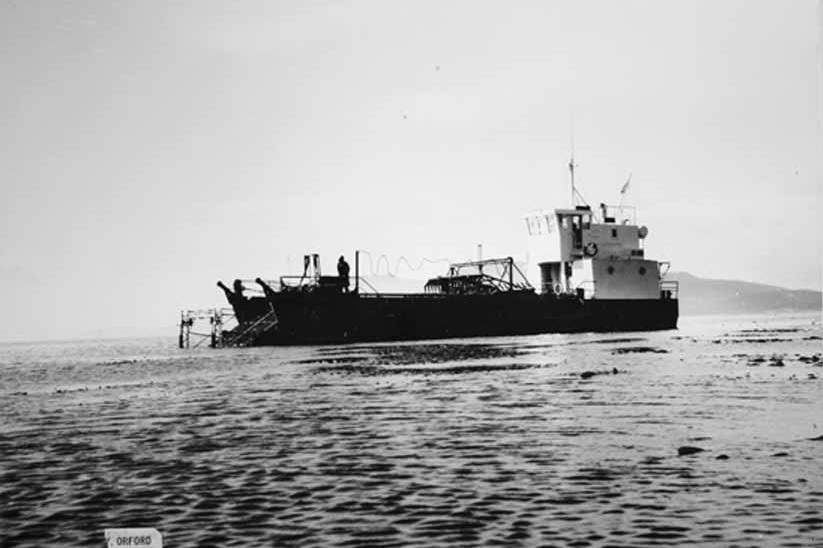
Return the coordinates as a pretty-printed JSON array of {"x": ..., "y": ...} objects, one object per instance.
[{"x": 596, "y": 254}]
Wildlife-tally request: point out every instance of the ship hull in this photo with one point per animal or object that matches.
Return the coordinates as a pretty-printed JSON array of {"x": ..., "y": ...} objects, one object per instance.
[{"x": 334, "y": 317}]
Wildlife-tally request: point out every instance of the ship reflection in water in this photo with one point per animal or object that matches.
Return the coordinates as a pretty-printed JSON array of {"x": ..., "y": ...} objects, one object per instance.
[{"x": 576, "y": 439}]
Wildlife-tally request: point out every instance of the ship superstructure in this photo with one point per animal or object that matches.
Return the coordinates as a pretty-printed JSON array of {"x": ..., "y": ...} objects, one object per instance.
[{"x": 596, "y": 254}]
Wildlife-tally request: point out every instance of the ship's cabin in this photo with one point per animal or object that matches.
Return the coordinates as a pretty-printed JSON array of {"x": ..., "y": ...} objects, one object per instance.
[{"x": 597, "y": 253}]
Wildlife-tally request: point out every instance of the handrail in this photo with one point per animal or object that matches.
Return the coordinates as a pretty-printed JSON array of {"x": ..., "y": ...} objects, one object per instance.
[
  {"x": 423, "y": 296},
  {"x": 307, "y": 281},
  {"x": 235, "y": 339},
  {"x": 585, "y": 286},
  {"x": 360, "y": 278},
  {"x": 669, "y": 289},
  {"x": 620, "y": 213}
]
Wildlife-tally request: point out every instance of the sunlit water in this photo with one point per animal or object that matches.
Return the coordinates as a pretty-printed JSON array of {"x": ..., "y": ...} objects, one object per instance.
[{"x": 567, "y": 440}]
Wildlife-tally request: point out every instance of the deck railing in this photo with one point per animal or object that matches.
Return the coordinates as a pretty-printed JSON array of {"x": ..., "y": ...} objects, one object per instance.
[
  {"x": 669, "y": 289},
  {"x": 588, "y": 287}
]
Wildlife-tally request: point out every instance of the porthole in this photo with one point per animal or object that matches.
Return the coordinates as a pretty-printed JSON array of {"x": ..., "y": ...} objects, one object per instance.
[
  {"x": 610, "y": 270},
  {"x": 642, "y": 271}
]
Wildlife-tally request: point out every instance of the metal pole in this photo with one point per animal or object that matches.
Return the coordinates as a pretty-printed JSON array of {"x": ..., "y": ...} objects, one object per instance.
[
  {"x": 356, "y": 271},
  {"x": 511, "y": 273},
  {"x": 571, "y": 161},
  {"x": 213, "y": 342},
  {"x": 571, "y": 172}
]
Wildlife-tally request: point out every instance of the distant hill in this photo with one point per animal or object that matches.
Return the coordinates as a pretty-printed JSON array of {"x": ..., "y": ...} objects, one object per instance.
[
  {"x": 705, "y": 296},
  {"x": 697, "y": 295}
]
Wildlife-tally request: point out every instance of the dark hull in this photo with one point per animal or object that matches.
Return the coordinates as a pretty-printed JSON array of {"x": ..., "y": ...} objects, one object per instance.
[{"x": 333, "y": 317}]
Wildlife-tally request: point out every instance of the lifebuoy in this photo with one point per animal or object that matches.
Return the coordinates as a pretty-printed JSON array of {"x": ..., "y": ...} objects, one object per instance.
[
  {"x": 590, "y": 250},
  {"x": 643, "y": 232},
  {"x": 558, "y": 289}
]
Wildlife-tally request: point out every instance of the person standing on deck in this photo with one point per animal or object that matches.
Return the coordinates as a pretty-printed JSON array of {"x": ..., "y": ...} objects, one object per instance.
[{"x": 343, "y": 274}]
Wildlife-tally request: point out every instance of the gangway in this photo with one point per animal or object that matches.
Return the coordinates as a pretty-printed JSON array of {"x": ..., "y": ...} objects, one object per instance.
[
  {"x": 244, "y": 334},
  {"x": 218, "y": 336}
]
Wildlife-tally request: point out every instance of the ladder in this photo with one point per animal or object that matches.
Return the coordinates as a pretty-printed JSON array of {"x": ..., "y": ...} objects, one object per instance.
[{"x": 245, "y": 334}]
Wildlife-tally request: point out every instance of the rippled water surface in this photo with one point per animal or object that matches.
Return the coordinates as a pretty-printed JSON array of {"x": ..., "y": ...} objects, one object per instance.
[{"x": 569, "y": 440}]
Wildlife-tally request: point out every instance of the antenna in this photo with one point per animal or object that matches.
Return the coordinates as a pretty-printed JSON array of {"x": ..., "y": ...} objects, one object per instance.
[
  {"x": 571, "y": 160},
  {"x": 572, "y": 165},
  {"x": 571, "y": 173}
]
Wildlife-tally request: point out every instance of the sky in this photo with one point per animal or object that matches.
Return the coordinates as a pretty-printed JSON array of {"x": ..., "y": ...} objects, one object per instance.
[{"x": 149, "y": 148}]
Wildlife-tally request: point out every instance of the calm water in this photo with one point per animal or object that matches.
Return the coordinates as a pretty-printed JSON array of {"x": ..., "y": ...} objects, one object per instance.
[{"x": 567, "y": 440}]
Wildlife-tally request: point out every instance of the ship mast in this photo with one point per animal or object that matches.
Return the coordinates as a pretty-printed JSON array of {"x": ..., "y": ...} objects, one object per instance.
[
  {"x": 571, "y": 160},
  {"x": 571, "y": 176}
]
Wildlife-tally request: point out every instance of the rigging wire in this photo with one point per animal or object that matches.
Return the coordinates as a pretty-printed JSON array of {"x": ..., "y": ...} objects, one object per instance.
[{"x": 402, "y": 259}]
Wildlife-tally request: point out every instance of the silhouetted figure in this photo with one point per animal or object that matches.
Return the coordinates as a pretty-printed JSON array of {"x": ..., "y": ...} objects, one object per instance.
[
  {"x": 236, "y": 299},
  {"x": 343, "y": 273}
]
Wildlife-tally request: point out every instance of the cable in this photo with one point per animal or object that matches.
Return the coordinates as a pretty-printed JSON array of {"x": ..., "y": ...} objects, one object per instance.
[
  {"x": 402, "y": 259},
  {"x": 423, "y": 261}
]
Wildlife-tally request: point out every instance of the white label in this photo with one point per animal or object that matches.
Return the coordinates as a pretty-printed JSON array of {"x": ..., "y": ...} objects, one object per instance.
[{"x": 142, "y": 537}]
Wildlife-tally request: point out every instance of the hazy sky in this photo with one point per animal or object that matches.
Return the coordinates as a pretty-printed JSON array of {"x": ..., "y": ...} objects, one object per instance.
[{"x": 149, "y": 148}]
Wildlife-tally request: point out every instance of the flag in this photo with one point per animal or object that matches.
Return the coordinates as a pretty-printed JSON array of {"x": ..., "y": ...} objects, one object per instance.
[{"x": 626, "y": 185}]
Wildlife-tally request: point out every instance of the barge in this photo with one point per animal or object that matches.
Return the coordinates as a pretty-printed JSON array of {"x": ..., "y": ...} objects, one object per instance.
[{"x": 591, "y": 266}]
